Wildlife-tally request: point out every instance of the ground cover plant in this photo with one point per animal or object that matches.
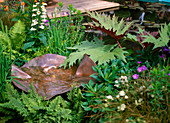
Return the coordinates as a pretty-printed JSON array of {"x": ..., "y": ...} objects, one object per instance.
[{"x": 127, "y": 87}]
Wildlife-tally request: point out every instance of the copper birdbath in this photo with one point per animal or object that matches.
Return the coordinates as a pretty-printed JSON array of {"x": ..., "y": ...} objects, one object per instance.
[{"x": 48, "y": 79}]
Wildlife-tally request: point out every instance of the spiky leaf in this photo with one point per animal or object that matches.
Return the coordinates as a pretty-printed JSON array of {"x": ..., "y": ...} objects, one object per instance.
[
  {"x": 97, "y": 52},
  {"x": 161, "y": 41},
  {"x": 109, "y": 25}
]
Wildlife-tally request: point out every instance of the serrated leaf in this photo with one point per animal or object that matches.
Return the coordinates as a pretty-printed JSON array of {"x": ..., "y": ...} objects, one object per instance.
[
  {"x": 97, "y": 51},
  {"x": 161, "y": 41}
]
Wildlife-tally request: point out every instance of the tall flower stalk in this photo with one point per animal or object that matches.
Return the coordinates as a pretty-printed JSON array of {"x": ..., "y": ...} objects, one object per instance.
[{"x": 38, "y": 16}]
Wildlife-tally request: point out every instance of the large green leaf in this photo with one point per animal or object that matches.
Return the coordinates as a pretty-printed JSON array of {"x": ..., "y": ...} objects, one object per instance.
[
  {"x": 161, "y": 41},
  {"x": 97, "y": 51}
]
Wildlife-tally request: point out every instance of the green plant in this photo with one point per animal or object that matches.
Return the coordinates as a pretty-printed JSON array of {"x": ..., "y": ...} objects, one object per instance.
[
  {"x": 14, "y": 38},
  {"x": 119, "y": 97},
  {"x": 76, "y": 98},
  {"x": 65, "y": 31},
  {"x": 5, "y": 72},
  {"x": 35, "y": 109},
  {"x": 109, "y": 25},
  {"x": 97, "y": 51}
]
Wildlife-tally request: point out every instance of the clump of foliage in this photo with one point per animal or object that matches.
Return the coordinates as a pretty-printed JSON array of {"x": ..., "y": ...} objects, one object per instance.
[
  {"x": 5, "y": 72},
  {"x": 35, "y": 109},
  {"x": 65, "y": 31},
  {"x": 14, "y": 38},
  {"x": 122, "y": 97}
]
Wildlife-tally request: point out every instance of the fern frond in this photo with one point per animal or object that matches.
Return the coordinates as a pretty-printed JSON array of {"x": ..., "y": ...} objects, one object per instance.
[
  {"x": 5, "y": 40},
  {"x": 17, "y": 35}
]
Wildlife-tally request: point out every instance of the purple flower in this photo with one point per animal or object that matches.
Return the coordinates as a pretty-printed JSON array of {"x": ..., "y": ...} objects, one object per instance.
[
  {"x": 140, "y": 69},
  {"x": 165, "y": 49},
  {"x": 68, "y": 13},
  {"x": 47, "y": 24},
  {"x": 162, "y": 70},
  {"x": 139, "y": 62},
  {"x": 144, "y": 67},
  {"x": 46, "y": 21},
  {"x": 135, "y": 76},
  {"x": 62, "y": 13},
  {"x": 168, "y": 74},
  {"x": 58, "y": 21},
  {"x": 162, "y": 56},
  {"x": 68, "y": 21}
]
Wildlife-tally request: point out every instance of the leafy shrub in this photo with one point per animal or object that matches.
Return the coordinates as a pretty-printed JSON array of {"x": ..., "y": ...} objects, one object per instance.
[
  {"x": 34, "y": 109},
  {"x": 125, "y": 98}
]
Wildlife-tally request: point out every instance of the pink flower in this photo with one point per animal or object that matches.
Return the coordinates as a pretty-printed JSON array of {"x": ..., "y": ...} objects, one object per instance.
[
  {"x": 144, "y": 67},
  {"x": 139, "y": 62},
  {"x": 135, "y": 76},
  {"x": 140, "y": 69}
]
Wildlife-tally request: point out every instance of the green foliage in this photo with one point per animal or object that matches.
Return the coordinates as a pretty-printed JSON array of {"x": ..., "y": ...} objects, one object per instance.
[
  {"x": 145, "y": 99},
  {"x": 34, "y": 109},
  {"x": 5, "y": 72},
  {"x": 161, "y": 41},
  {"x": 15, "y": 38},
  {"x": 17, "y": 35},
  {"x": 76, "y": 98},
  {"x": 109, "y": 23},
  {"x": 65, "y": 31},
  {"x": 97, "y": 51}
]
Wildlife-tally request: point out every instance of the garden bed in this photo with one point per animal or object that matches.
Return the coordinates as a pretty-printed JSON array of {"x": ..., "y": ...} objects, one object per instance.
[{"x": 122, "y": 78}]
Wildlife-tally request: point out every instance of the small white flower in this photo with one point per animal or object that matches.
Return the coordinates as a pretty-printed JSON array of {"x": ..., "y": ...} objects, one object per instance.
[
  {"x": 42, "y": 27},
  {"x": 44, "y": 13},
  {"x": 34, "y": 5},
  {"x": 122, "y": 107},
  {"x": 117, "y": 96},
  {"x": 109, "y": 97},
  {"x": 42, "y": 7},
  {"x": 122, "y": 93},
  {"x": 44, "y": 4},
  {"x": 32, "y": 24},
  {"x": 37, "y": 3},
  {"x": 152, "y": 95},
  {"x": 43, "y": 20},
  {"x": 38, "y": 12},
  {"x": 43, "y": 16},
  {"x": 116, "y": 85},
  {"x": 126, "y": 97},
  {"x": 44, "y": 10},
  {"x": 116, "y": 81},
  {"x": 34, "y": 10},
  {"x": 140, "y": 100},
  {"x": 123, "y": 77},
  {"x": 33, "y": 15},
  {"x": 33, "y": 29},
  {"x": 127, "y": 120},
  {"x": 35, "y": 22}
]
